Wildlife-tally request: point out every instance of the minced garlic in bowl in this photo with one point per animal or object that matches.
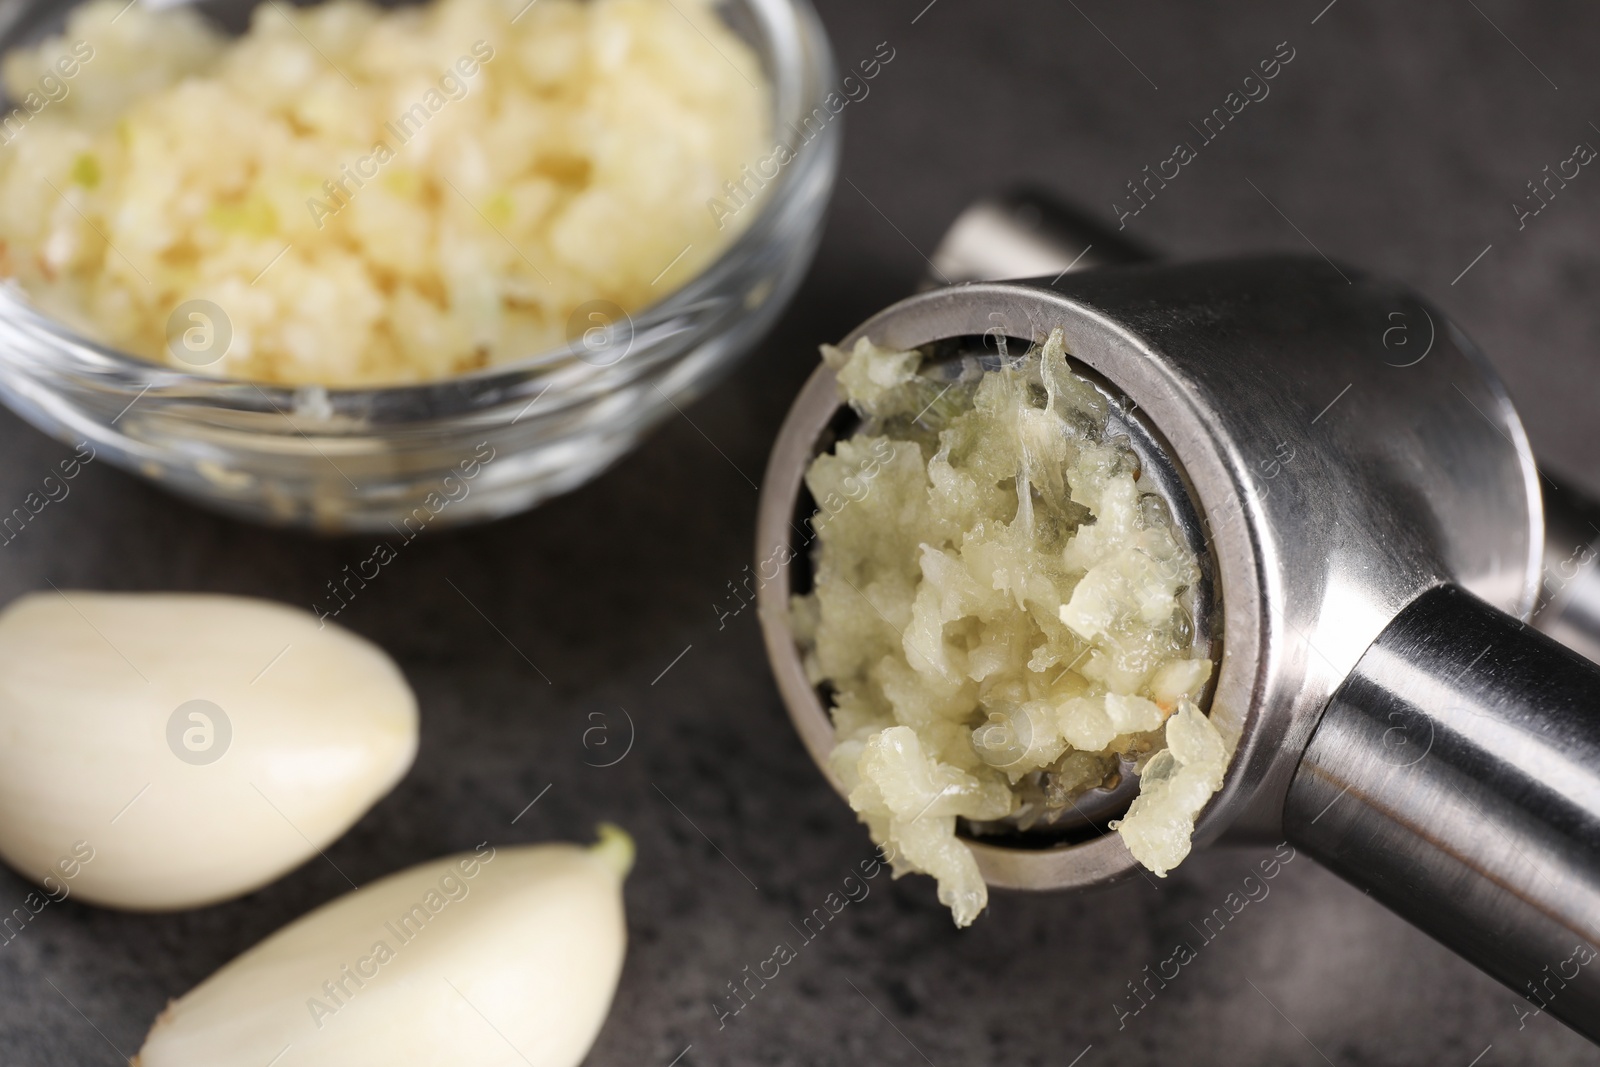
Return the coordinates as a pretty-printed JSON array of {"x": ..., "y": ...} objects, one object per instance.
[
  {"x": 352, "y": 196},
  {"x": 999, "y": 611}
]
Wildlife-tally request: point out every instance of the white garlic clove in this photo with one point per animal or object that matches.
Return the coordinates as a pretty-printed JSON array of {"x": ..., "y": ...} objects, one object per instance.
[
  {"x": 497, "y": 958},
  {"x": 192, "y": 747}
]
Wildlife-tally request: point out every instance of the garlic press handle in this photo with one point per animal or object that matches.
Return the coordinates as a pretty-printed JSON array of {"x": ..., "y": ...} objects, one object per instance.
[{"x": 1455, "y": 776}]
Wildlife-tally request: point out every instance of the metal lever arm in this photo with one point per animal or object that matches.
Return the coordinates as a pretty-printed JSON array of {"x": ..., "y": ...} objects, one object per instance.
[{"x": 1456, "y": 777}]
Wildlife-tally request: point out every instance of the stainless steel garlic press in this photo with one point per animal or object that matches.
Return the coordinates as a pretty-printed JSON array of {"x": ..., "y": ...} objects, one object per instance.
[{"x": 1383, "y": 552}]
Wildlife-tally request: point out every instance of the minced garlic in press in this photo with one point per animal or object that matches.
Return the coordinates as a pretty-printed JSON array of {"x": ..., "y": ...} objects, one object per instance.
[{"x": 999, "y": 614}]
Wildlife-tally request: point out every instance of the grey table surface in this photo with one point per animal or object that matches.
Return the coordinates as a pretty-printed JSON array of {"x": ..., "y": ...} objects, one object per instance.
[{"x": 1397, "y": 139}]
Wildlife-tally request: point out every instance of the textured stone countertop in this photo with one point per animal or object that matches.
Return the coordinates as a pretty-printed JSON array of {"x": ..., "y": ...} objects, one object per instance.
[{"x": 1396, "y": 138}]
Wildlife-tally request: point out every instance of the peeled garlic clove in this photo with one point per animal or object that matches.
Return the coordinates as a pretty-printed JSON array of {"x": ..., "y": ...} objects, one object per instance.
[
  {"x": 497, "y": 958},
  {"x": 195, "y": 747}
]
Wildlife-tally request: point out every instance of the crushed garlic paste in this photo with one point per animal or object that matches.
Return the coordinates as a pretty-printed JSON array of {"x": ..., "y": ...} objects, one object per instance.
[
  {"x": 369, "y": 195},
  {"x": 998, "y": 614}
]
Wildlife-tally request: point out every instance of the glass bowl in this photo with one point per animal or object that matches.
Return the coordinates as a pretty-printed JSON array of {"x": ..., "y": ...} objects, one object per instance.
[{"x": 456, "y": 450}]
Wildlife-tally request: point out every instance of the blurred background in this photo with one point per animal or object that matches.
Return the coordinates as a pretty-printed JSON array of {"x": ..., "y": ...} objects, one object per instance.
[{"x": 1398, "y": 139}]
